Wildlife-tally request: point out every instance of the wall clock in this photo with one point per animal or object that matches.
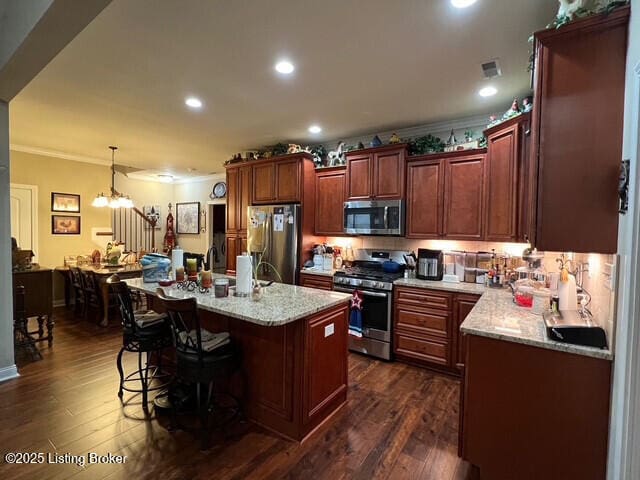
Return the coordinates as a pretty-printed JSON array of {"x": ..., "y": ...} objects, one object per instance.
[{"x": 219, "y": 190}]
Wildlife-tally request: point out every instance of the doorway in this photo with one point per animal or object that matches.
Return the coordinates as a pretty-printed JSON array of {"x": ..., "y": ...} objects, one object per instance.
[
  {"x": 216, "y": 255},
  {"x": 24, "y": 216}
]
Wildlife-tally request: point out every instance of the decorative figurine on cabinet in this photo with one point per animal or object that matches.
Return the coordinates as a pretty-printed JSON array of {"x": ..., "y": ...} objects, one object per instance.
[
  {"x": 527, "y": 104},
  {"x": 394, "y": 139},
  {"x": 375, "y": 142},
  {"x": 337, "y": 157}
]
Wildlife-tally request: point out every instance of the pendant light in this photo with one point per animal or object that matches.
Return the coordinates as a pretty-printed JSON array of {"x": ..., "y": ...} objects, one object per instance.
[{"x": 117, "y": 199}]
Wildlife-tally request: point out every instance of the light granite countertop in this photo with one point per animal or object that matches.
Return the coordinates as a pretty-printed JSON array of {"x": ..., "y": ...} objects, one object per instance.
[
  {"x": 317, "y": 271},
  {"x": 280, "y": 303},
  {"x": 461, "y": 287},
  {"x": 496, "y": 316}
]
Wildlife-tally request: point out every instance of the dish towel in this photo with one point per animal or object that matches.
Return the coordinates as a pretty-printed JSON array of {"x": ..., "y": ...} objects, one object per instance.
[{"x": 355, "y": 319}]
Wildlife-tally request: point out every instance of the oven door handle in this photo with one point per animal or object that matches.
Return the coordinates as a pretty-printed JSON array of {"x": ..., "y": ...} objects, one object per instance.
[{"x": 364, "y": 292}]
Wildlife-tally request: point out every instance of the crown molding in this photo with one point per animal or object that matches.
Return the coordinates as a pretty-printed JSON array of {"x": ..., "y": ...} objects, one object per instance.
[{"x": 45, "y": 152}]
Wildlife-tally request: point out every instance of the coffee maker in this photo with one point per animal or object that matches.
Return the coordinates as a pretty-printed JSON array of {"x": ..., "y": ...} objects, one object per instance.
[{"x": 430, "y": 264}]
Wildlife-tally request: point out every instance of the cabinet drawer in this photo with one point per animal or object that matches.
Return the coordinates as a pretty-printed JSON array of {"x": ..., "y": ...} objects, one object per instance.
[
  {"x": 424, "y": 322},
  {"x": 311, "y": 281},
  {"x": 427, "y": 350},
  {"x": 423, "y": 298}
]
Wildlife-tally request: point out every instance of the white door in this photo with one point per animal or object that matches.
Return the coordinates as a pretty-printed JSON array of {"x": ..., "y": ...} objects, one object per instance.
[{"x": 24, "y": 216}]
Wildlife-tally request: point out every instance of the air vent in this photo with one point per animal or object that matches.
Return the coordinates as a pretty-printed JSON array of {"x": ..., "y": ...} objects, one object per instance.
[{"x": 491, "y": 69}]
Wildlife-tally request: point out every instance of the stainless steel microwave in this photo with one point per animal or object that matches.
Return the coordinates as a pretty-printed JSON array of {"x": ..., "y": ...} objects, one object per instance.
[{"x": 383, "y": 217}]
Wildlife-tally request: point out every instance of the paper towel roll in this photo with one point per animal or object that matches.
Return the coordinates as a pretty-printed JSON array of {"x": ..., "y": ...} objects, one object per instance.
[
  {"x": 244, "y": 275},
  {"x": 177, "y": 258}
]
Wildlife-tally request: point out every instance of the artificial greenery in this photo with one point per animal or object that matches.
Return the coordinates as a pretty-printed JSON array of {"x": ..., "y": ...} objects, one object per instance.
[
  {"x": 279, "y": 149},
  {"x": 425, "y": 144}
]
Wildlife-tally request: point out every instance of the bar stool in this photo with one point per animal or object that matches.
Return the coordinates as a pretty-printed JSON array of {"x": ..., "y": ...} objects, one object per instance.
[
  {"x": 144, "y": 332},
  {"x": 202, "y": 357}
]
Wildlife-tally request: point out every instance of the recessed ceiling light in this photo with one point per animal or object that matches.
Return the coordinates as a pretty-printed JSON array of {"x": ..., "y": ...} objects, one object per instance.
[
  {"x": 285, "y": 67},
  {"x": 315, "y": 129},
  {"x": 462, "y": 3},
  {"x": 193, "y": 102},
  {"x": 487, "y": 91}
]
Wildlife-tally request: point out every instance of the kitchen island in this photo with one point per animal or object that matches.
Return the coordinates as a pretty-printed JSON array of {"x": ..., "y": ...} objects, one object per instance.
[{"x": 293, "y": 346}]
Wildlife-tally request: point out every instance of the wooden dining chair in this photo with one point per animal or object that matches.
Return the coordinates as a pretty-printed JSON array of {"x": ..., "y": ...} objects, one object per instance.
[{"x": 78, "y": 290}]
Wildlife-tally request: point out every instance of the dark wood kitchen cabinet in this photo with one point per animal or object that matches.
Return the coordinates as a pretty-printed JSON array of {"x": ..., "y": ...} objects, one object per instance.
[
  {"x": 330, "y": 196},
  {"x": 462, "y": 305},
  {"x": 445, "y": 195},
  {"x": 425, "y": 184},
  {"x": 506, "y": 189},
  {"x": 463, "y": 197},
  {"x": 278, "y": 180},
  {"x": 520, "y": 403},
  {"x": 238, "y": 199},
  {"x": 427, "y": 327},
  {"x": 311, "y": 280},
  {"x": 376, "y": 173},
  {"x": 577, "y": 132}
]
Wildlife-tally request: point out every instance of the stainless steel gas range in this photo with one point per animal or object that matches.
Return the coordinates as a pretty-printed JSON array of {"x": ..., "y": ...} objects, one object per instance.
[{"x": 376, "y": 287}]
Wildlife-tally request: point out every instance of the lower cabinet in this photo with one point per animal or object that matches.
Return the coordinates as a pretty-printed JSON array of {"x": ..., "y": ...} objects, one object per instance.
[
  {"x": 427, "y": 327},
  {"x": 236, "y": 244},
  {"x": 320, "y": 282}
]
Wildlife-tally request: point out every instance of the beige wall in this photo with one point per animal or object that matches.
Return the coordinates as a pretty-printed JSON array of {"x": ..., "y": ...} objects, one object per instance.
[
  {"x": 196, "y": 192},
  {"x": 67, "y": 176}
]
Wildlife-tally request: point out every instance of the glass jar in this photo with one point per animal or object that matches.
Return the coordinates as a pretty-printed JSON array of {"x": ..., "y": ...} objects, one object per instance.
[{"x": 221, "y": 287}]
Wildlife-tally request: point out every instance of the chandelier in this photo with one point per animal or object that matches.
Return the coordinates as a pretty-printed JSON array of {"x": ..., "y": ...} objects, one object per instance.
[{"x": 117, "y": 199}]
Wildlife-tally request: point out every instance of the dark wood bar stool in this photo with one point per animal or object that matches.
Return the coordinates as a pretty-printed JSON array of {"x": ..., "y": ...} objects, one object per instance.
[
  {"x": 144, "y": 333},
  {"x": 203, "y": 358}
]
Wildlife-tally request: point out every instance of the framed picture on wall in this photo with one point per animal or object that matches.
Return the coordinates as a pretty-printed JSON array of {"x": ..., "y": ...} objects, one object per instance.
[
  {"x": 65, "y": 225},
  {"x": 65, "y": 202},
  {"x": 188, "y": 217}
]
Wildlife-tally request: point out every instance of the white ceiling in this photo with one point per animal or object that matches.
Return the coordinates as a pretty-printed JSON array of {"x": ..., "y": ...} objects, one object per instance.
[{"x": 360, "y": 66}]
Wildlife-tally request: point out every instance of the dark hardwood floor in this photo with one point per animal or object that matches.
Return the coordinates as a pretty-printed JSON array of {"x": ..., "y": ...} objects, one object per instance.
[{"x": 399, "y": 422}]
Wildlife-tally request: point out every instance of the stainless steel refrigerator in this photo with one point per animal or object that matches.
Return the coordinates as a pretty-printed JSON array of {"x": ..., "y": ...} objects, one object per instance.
[{"x": 273, "y": 241}]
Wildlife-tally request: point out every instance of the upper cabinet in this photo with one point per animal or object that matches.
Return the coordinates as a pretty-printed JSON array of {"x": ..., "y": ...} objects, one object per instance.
[
  {"x": 238, "y": 197},
  {"x": 330, "y": 194},
  {"x": 445, "y": 195},
  {"x": 577, "y": 132},
  {"x": 376, "y": 173},
  {"x": 278, "y": 180},
  {"x": 506, "y": 189}
]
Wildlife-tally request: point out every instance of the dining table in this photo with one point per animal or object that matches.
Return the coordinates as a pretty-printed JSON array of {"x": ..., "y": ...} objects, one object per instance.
[{"x": 103, "y": 272}]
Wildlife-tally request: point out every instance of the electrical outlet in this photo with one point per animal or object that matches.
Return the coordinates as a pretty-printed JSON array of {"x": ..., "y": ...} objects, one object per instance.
[{"x": 329, "y": 330}]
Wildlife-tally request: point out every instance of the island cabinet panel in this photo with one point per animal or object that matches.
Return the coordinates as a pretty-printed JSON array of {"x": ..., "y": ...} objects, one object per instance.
[
  {"x": 325, "y": 372},
  {"x": 376, "y": 173},
  {"x": 330, "y": 196},
  {"x": 531, "y": 413},
  {"x": 316, "y": 281},
  {"x": 293, "y": 376},
  {"x": 359, "y": 181},
  {"x": 504, "y": 162},
  {"x": 577, "y": 132},
  {"x": 462, "y": 305},
  {"x": 463, "y": 197},
  {"x": 425, "y": 183}
]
